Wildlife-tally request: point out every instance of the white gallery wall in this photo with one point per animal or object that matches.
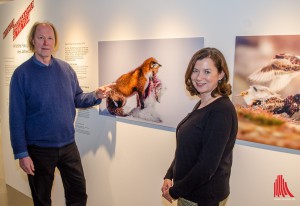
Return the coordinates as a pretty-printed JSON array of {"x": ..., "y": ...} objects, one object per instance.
[{"x": 125, "y": 161}]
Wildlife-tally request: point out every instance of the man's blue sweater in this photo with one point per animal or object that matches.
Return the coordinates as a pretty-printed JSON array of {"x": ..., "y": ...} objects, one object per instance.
[{"x": 42, "y": 104}]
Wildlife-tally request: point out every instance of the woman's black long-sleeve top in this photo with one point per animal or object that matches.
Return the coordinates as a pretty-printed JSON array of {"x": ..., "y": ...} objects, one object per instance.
[{"x": 203, "y": 158}]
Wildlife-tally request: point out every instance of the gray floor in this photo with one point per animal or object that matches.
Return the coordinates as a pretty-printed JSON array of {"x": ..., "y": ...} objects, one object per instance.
[{"x": 8, "y": 195}]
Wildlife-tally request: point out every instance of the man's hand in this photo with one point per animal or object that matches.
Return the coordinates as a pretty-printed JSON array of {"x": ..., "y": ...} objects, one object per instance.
[
  {"x": 27, "y": 165},
  {"x": 104, "y": 91}
]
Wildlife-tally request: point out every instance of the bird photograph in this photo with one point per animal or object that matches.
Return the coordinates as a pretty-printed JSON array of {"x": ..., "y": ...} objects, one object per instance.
[{"x": 266, "y": 89}]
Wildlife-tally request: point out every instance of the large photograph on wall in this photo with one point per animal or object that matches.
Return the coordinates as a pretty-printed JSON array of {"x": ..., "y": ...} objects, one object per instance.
[
  {"x": 149, "y": 76},
  {"x": 266, "y": 89}
]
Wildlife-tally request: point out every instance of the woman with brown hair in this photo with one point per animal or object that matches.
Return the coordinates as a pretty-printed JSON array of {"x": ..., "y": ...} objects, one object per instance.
[{"x": 200, "y": 171}]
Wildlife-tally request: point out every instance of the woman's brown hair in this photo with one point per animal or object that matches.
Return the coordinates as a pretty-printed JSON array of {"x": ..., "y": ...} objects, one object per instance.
[{"x": 223, "y": 88}]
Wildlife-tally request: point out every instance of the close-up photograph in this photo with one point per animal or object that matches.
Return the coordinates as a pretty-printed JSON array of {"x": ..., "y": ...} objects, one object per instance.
[{"x": 266, "y": 89}]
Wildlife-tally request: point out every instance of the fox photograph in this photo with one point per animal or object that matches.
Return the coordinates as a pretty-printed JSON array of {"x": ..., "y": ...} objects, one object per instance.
[
  {"x": 149, "y": 79},
  {"x": 266, "y": 89}
]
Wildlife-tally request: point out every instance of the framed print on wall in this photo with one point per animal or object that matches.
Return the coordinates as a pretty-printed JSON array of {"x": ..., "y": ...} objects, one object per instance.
[
  {"x": 266, "y": 89},
  {"x": 150, "y": 78}
]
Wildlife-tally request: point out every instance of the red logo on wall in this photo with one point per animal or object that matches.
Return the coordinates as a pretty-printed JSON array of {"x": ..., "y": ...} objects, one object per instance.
[
  {"x": 281, "y": 190},
  {"x": 20, "y": 24}
]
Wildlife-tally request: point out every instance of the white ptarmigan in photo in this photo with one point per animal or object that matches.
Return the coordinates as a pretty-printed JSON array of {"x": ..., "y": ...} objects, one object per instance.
[
  {"x": 279, "y": 72},
  {"x": 258, "y": 96},
  {"x": 257, "y": 93}
]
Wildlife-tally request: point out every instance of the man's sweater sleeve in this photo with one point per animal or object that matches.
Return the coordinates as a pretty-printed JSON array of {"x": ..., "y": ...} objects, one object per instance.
[
  {"x": 84, "y": 100},
  {"x": 17, "y": 117}
]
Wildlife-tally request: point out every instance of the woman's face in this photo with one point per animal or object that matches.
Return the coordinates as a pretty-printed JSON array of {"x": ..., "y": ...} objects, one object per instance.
[{"x": 205, "y": 76}]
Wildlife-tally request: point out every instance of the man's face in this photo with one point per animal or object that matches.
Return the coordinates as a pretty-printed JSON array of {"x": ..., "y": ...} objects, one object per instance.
[{"x": 44, "y": 42}]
